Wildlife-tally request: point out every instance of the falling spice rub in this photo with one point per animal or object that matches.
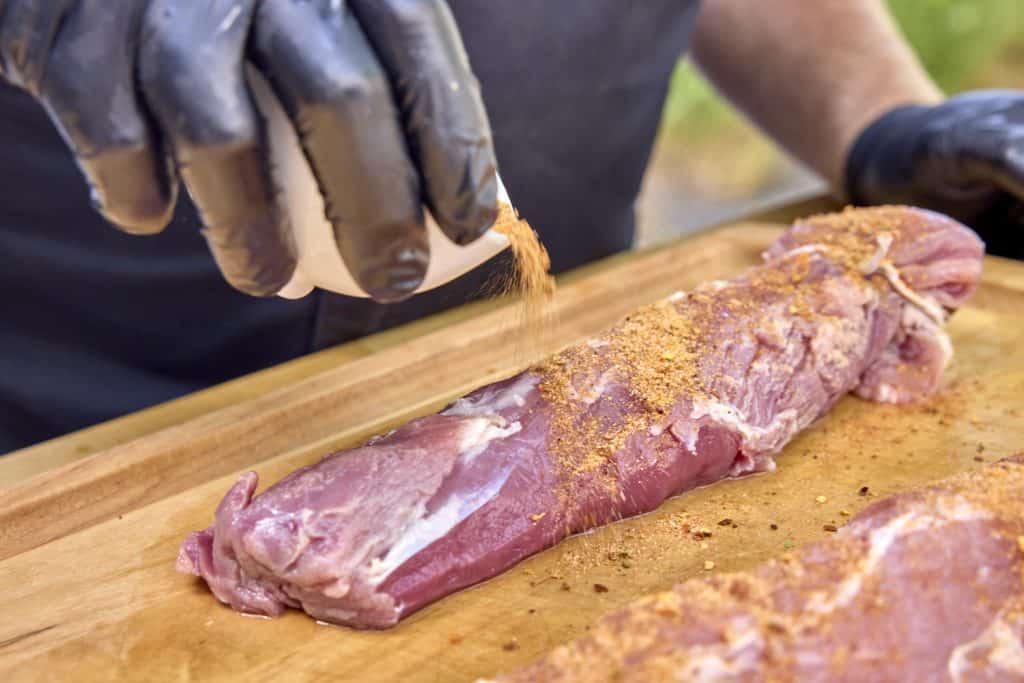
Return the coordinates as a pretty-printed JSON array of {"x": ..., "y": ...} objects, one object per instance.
[
  {"x": 529, "y": 280},
  {"x": 705, "y": 385},
  {"x": 923, "y": 586}
]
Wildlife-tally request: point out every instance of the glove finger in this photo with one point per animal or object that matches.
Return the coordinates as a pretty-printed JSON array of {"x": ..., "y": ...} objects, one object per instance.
[
  {"x": 323, "y": 70},
  {"x": 442, "y": 110},
  {"x": 990, "y": 144},
  {"x": 191, "y": 69},
  {"x": 89, "y": 92},
  {"x": 1009, "y": 172},
  {"x": 27, "y": 33}
]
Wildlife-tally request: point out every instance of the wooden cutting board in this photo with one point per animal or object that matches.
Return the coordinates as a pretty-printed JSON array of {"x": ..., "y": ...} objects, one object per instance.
[{"x": 88, "y": 589}]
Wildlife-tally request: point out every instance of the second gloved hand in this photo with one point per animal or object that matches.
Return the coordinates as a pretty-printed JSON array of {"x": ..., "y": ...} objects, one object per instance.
[
  {"x": 964, "y": 157},
  {"x": 380, "y": 91}
]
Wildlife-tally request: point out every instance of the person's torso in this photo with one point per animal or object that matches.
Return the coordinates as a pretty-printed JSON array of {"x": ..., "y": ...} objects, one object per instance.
[{"x": 98, "y": 323}]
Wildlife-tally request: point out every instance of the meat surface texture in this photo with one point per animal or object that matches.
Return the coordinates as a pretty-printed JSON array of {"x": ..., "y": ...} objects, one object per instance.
[
  {"x": 702, "y": 386},
  {"x": 925, "y": 586}
]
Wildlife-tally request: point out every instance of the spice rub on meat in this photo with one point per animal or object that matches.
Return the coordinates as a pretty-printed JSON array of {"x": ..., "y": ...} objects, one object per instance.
[
  {"x": 921, "y": 586},
  {"x": 704, "y": 385}
]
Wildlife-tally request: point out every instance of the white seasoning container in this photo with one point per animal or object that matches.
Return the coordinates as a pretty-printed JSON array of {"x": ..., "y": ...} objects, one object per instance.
[{"x": 319, "y": 263}]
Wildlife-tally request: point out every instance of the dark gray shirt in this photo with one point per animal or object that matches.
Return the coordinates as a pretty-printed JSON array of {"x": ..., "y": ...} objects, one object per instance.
[{"x": 97, "y": 323}]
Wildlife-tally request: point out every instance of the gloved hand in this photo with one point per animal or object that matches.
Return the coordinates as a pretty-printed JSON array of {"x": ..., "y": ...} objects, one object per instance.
[
  {"x": 380, "y": 91},
  {"x": 964, "y": 158}
]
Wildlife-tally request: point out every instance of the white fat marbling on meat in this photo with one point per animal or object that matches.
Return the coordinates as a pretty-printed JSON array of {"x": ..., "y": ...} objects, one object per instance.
[
  {"x": 425, "y": 529},
  {"x": 478, "y": 433},
  {"x": 887, "y": 393},
  {"x": 930, "y": 308},
  {"x": 686, "y": 433},
  {"x": 871, "y": 265},
  {"x": 270, "y": 527},
  {"x": 919, "y": 322},
  {"x": 597, "y": 344},
  {"x": 880, "y": 540},
  {"x": 591, "y": 391},
  {"x": 677, "y": 296},
  {"x": 492, "y": 400},
  {"x": 740, "y": 654},
  {"x": 999, "y": 641},
  {"x": 804, "y": 249},
  {"x": 795, "y": 251},
  {"x": 875, "y": 263},
  {"x": 715, "y": 285},
  {"x": 336, "y": 614},
  {"x": 766, "y": 439}
]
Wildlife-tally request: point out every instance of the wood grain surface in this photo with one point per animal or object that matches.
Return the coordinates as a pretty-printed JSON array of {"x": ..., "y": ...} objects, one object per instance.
[{"x": 88, "y": 589}]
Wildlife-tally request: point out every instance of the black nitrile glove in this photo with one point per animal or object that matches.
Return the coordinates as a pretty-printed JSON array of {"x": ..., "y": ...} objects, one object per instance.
[
  {"x": 964, "y": 158},
  {"x": 380, "y": 91}
]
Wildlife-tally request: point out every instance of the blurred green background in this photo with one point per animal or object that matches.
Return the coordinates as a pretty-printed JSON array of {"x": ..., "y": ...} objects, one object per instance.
[{"x": 710, "y": 153}]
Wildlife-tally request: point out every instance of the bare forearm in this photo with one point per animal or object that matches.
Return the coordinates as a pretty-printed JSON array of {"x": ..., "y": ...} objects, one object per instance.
[{"x": 810, "y": 74}]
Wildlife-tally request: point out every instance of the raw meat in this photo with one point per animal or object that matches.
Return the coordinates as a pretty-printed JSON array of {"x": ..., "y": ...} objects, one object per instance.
[
  {"x": 925, "y": 586},
  {"x": 705, "y": 385}
]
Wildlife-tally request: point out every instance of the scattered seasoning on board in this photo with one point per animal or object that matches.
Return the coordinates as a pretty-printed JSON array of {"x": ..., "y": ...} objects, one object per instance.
[
  {"x": 845, "y": 513},
  {"x": 725, "y": 522},
  {"x": 708, "y": 565},
  {"x": 600, "y": 588},
  {"x": 821, "y": 499},
  {"x": 455, "y": 639},
  {"x": 863, "y": 491},
  {"x": 830, "y": 527},
  {"x": 773, "y": 527},
  {"x": 510, "y": 645}
]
